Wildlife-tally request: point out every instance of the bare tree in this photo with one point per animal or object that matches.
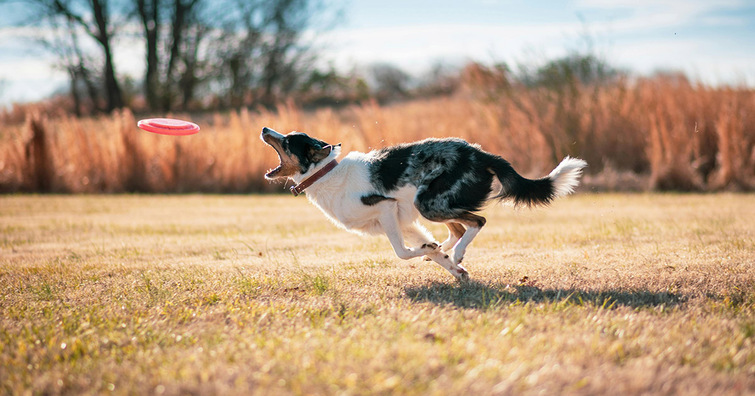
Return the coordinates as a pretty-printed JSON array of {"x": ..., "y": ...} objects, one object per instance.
[
  {"x": 160, "y": 81},
  {"x": 236, "y": 46},
  {"x": 261, "y": 51},
  {"x": 149, "y": 14},
  {"x": 194, "y": 67},
  {"x": 255, "y": 47},
  {"x": 286, "y": 56},
  {"x": 94, "y": 17},
  {"x": 245, "y": 52},
  {"x": 65, "y": 44}
]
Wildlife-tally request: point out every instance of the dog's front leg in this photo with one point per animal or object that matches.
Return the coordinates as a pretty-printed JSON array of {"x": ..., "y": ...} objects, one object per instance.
[{"x": 392, "y": 228}]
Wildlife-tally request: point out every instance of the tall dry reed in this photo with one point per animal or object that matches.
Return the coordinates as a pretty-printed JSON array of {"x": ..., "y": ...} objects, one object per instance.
[{"x": 665, "y": 132}]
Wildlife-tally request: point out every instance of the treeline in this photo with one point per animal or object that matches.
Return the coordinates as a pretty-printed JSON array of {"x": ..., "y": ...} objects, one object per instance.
[
  {"x": 202, "y": 55},
  {"x": 197, "y": 53}
]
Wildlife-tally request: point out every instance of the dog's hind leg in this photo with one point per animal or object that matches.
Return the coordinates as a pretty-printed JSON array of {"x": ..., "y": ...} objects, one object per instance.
[
  {"x": 474, "y": 224},
  {"x": 417, "y": 233},
  {"x": 441, "y": 211},
  {"x": 455, "y": 232}
]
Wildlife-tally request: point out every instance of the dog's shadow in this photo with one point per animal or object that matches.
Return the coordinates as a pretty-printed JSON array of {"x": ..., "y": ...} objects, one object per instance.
[{"x": 479, "y": 295}]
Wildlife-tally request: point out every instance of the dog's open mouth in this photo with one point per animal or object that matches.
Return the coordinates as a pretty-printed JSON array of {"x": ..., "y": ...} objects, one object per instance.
[
  {"x": 272, "y": 172},
  {"x": 272, "y": 139}
]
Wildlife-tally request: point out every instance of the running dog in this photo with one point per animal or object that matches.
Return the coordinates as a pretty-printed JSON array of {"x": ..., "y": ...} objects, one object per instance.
[{"x": 385, "y": 191}]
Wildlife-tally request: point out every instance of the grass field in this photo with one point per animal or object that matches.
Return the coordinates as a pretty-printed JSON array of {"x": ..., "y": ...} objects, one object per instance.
[{"x": 625, "y": 294}]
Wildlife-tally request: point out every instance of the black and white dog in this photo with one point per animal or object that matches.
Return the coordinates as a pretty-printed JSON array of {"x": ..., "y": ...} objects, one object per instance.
[{"x": 386, "y": 190}]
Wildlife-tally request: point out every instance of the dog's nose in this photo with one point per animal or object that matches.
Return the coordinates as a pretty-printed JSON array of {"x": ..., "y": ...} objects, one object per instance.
[{"x": 268, "y": 133}]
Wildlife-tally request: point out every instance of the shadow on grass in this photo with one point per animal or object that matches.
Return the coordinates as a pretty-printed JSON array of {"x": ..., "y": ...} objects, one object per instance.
[{"x": 478, "y": 295}]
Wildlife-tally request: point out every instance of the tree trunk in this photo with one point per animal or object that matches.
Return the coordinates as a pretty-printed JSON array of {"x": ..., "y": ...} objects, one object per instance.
[
  {"x": 189, "y": 78},
  {"x": 181, "y": 12},
  {"x": 150, "y": 17},
  {"x": 112, "y": 88},
  {"x": 73, "y": 74}
]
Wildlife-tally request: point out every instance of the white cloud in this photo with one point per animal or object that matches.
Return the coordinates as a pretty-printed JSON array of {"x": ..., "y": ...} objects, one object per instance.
[
  {"x": 636, "y": 34},
  {"x": 700, "y": 60},
  {"x": 25, "y": 90},
  {"x": 414, "y": 47},
  {"x": 129, "y": 57},
  {"x": 693, "y": 6},
  {"x": 27, "y": 68},
  {"x": 27, "y": 72},
  {"x": 650, "y": 13}
]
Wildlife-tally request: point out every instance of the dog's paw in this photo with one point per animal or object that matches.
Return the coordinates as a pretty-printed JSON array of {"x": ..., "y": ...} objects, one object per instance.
[
  {"x": 429, "y": 246},
  {"x": 461, "y": 274},
  {"x": 427, "y": 258}
]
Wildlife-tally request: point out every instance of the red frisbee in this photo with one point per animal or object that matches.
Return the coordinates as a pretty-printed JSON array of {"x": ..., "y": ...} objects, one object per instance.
[{"x": 168, "y": 126}]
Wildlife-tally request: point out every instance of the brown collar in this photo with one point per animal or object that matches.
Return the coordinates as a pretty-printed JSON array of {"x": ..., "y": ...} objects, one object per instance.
[{"x": 299, "y": 188}]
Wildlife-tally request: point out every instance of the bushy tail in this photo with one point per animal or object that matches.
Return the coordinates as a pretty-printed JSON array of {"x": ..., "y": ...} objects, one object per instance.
[{"x": 561, "y": 181}]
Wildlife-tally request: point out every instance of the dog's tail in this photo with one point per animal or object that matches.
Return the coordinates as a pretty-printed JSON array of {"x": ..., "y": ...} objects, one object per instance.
[{"x": 561, "y": 181}]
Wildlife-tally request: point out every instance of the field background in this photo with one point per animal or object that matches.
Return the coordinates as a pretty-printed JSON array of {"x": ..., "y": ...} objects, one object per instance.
[
  {"x": 637, "y": 134},
  {"x": 137, "y": 294},
  {"x": 116, "y": 278}
]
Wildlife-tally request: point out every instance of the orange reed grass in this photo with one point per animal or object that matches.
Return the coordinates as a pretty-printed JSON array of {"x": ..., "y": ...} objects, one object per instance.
[{"x": 666, "y": 131}]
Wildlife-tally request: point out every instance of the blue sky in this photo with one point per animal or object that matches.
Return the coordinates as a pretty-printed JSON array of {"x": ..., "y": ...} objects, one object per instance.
[{"x": 712, "y": 41}]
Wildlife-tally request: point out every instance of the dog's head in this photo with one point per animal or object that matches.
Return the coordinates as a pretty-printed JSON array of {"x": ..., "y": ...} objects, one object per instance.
[{"x": 297, "y": 152}]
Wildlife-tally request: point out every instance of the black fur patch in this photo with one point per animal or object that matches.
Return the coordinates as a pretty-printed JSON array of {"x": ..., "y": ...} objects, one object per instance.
[
  {"x": 453, "y": 178},
  {"x": 375, "y": 199},
  {"x": 390, "y": 164},
  {"x": 448, "y": 173},
  {"x": 300, "y": 145},
  {"x": 471, "y": 186}
]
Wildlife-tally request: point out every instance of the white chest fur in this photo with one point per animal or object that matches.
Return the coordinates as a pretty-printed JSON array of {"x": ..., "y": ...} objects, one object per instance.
[{"x": 339, "y": 193}]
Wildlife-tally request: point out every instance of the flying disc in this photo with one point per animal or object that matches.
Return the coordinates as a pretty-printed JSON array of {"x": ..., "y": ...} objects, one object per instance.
[{"x": 168, "y": 126}]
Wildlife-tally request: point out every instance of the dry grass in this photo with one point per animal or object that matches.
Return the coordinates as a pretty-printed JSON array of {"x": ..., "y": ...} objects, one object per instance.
[
  {"x": 628, "y": 294},
  {"x": 662, "y": 133}
]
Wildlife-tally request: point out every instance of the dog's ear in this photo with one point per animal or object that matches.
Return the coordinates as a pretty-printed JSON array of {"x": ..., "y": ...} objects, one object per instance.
[{"x": 318, "y": 153}]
